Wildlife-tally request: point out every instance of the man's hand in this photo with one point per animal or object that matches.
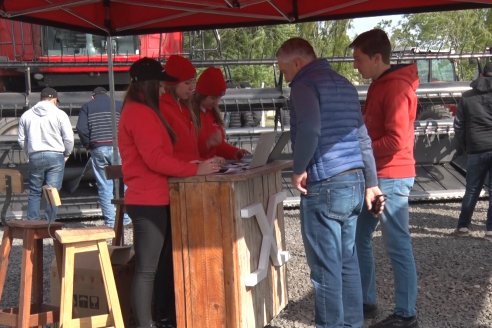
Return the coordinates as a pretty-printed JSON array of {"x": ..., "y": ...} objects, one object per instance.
[
  {"x": 375, "y": 200},
  {"x": 299, "y": 182}
]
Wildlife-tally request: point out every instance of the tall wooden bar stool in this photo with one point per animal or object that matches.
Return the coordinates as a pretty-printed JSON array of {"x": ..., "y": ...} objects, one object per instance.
[
  {"x": 114, "y": 172},
  {"x": 83, "y": 240},
  {"x": 30, "y": 311}
]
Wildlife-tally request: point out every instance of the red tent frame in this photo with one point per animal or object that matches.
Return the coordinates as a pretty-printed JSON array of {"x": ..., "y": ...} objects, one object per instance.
[{"x": 124, "y": 17}]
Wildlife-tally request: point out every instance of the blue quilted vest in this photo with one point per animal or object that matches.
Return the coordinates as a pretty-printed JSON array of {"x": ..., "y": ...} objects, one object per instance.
[{"x": 338, "y": 148}]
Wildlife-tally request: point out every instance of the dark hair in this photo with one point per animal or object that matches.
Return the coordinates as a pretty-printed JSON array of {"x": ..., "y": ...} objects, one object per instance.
[
  {"x": 196, "y": 101},
  {"x": 147, "y": 93},
  {"x": 373, "y": 42}
]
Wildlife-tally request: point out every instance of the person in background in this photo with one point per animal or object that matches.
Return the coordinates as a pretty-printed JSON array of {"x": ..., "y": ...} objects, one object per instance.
[
  {"x": 175, "y": 106},
  {"x": 473, "y": 131},
  {"x": 96, "y": 135},
  {"x": 389, "y": 114},
  {"x": 210, "y": 87},
  {"x": 333, "y": 165},
  {"x": 146, "y": 144},
  {"x": 46, "y": 135}
]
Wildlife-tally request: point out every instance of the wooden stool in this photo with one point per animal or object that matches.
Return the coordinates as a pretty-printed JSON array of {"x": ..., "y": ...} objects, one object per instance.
[
  {"x": 32, "y": 232},
  {"x": 79, "y": 241}
]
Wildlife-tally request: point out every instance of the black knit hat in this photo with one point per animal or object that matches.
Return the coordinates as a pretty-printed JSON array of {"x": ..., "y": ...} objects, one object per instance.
[
  {"x": 147, "y": 69},
  {"x": 48, "y": 93}
]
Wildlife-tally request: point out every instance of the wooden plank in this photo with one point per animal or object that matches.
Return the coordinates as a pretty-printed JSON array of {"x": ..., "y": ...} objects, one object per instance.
[
  {"x": 417, "y": 187},
  {"x": 215, "y": 304},
  {"x": 249, "y": 255},
  {"x": 444, "y": 177},
  {"x": 179, "y": 253},
  {"x": 197, "y": 253},
  {"x": 84, "y": 234},
  {"x": 426, "y": 180},
  {"x": 229, "y": 254},
  {"x": 458, "y": 176}
]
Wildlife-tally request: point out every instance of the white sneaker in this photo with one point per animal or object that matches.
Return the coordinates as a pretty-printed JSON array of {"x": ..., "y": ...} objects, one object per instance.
[{"x": 488, "y": 234}]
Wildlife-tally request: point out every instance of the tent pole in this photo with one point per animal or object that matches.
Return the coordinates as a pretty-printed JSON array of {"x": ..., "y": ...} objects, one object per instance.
[{"x": 114, "y": 127}]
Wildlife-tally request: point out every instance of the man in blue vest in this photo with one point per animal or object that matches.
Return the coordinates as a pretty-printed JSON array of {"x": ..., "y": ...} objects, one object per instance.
[{"x": 333, "y": 166}]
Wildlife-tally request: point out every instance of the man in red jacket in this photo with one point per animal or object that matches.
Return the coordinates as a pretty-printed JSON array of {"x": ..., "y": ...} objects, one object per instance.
[{"x": 389, "y": 114}]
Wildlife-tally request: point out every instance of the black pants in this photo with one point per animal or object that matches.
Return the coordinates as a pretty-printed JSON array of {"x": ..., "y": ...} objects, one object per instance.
[{"x": 153, "y": 283}]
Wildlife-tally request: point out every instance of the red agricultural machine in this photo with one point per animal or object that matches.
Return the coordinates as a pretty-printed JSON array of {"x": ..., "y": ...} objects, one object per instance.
[{"x": 34, "y": 56}]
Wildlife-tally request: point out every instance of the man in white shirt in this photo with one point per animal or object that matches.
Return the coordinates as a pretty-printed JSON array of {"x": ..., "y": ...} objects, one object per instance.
[{"x": 46, "y": 135}]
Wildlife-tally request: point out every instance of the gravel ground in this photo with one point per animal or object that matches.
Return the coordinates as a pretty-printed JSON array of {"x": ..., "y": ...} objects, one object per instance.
[{"x": 455, "y": 273}]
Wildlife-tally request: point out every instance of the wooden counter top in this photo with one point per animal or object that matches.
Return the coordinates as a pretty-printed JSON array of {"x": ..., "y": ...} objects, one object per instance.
[{"x": 237, "y": 176}]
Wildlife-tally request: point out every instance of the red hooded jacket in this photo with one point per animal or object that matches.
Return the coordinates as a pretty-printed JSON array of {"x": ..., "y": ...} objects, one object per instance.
[
  {"x": 179, "y": 118},
  {"x": 208, "y": 127},
  {"x": 389, "y": 114},
  {"x": 147, "y": 156}
]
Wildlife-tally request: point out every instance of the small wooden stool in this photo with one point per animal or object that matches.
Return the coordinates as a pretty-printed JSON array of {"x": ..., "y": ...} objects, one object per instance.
[
  {"x": 79, "y": 241},
  {"x": 32, "y": 232}
]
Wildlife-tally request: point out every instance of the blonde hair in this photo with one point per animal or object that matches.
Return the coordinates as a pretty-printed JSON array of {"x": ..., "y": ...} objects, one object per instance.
[
  {"x": 196, "y": 101},
  {"x": 171, "y": 89}
]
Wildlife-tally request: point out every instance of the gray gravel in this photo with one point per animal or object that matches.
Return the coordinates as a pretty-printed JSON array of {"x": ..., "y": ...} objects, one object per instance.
[{"x": 455, "y": 273}]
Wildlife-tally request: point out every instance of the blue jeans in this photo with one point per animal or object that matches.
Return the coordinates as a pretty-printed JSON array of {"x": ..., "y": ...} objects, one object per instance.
[
  {"x": 45, "y": 168},
  {"x": 102, "y": 157},
  {"x": 398, "y": 243},
  {"x": 477, "y": 167},
  {"x": 329, "y": 214}
]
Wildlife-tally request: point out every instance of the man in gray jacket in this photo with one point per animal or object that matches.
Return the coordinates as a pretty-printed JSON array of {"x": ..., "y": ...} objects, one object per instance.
[
  {"x": 46, "y": 135},
  {"x": 473, "y": 131}
]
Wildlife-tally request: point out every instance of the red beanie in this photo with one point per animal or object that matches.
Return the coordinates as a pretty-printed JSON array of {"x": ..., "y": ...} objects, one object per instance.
[
  {"x": 211, "y": 83},
  {"x": 180, "y": 68}
]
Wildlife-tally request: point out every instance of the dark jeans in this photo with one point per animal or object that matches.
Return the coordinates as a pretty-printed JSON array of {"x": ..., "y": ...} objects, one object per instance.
[
  {"x": 477, "y": 167},
  {"x": 153, "y": 283}
]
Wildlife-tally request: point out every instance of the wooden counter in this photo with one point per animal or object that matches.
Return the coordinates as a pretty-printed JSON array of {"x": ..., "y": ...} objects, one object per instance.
[{"x": 217, "y": 244}]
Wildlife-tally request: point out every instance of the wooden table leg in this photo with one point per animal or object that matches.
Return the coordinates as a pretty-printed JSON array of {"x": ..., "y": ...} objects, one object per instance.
[
  {"x": 4, "y": 260},
  {"x": 26, "y": 280}
]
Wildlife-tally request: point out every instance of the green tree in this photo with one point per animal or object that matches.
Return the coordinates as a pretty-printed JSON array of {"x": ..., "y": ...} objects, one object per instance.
[
  {"x": 330, "y": 40},
  {"x": 261, "y": 43},
  {"x": 460, "y": 31}
]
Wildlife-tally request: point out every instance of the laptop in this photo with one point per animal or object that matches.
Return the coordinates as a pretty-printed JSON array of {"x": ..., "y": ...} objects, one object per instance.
[
  {"x": 262, "y": 150},
  {"x": 277, "y": 152},
  {"x": 258, "y": 158}
]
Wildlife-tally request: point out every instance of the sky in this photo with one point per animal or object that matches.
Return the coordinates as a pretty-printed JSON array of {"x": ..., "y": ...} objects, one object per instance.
[{"x": 364, "y": 24}]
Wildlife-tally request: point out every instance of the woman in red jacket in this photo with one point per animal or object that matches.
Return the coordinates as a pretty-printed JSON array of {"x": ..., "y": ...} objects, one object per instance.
[
  {"x": 174, "y": 106},
  {"x": 210, "y": 87},
  {"x": 146, "y": 146}
]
